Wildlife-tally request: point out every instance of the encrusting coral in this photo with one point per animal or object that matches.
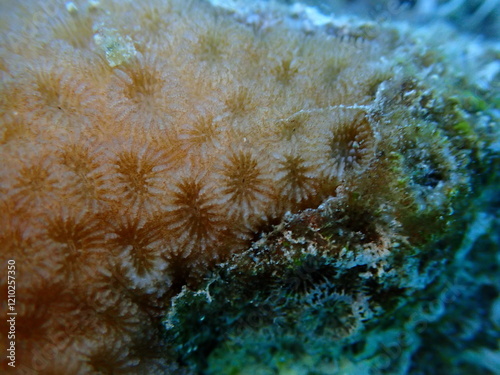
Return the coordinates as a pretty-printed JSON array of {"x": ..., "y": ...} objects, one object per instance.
[{"x": 143, "y": 143}]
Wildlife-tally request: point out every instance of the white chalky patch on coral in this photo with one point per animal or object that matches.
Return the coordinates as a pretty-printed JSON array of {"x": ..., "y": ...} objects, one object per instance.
[{"x": 118, "y": 49}]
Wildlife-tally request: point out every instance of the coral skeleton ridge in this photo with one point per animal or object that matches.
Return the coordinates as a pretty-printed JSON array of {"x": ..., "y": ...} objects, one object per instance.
[{"x": 143, "y": 143}]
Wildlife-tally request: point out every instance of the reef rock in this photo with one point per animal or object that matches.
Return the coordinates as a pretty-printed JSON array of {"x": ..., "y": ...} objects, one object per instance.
[{"x": 261, "y": 189}]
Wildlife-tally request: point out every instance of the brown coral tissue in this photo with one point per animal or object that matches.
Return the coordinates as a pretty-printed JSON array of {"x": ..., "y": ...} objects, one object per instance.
[{"x": 144, "y": 142}]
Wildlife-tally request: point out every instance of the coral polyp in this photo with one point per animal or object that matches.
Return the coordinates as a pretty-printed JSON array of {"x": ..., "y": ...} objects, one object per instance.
[{"x": 351, "y": 145}]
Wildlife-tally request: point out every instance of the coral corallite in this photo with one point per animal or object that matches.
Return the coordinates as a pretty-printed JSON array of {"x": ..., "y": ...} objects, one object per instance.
[{"x": 144, "y": 142}]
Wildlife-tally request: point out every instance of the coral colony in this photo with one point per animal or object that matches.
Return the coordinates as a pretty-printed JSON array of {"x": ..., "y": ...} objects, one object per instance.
[{"x": 187, "y": 188}]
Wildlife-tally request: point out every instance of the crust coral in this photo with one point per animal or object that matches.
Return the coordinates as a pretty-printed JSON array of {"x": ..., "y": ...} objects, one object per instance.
[{"x": 144, "y": 142}]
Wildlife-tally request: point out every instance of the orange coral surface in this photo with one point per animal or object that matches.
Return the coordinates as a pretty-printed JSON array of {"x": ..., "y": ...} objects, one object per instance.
[{"x": 141, "y": 142}]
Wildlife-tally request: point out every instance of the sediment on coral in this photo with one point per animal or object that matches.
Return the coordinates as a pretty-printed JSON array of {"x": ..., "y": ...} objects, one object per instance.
[{"x": 182, "y": 184}]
